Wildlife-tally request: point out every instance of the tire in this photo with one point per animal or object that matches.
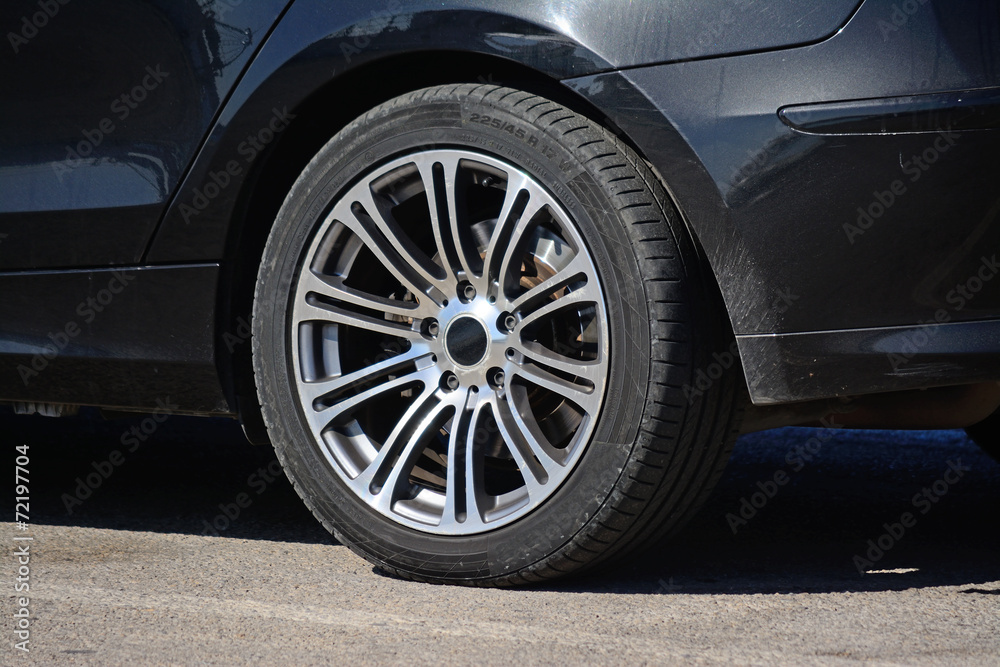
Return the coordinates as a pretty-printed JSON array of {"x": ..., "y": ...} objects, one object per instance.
[
  {"x": 986, "y": 434},
  {"x": 477, "y": 324}
]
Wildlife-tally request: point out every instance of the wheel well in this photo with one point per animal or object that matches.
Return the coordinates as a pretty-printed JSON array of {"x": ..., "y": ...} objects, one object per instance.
[{"x": 318, "y": 119}]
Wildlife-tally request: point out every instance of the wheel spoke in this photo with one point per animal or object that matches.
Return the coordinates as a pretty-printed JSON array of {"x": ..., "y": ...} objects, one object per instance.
[
  {"x": 442, "y": 203},
  {"x": 323, "y": 312},
  {"x": 369, "y": 375},
  {"x": 578, "y": 297},
  {"x": 402, "y": 448},
  {"x": 465, "y": 255},
  {"x": 389, "y": 451},
  {"x": 573, "y": 272},
  {"x": 509, "y": 259},
  {"x": 333, "y": 287},
  {"x": 437, "y": 205},
  {"x": 416, "y": 261},
  {"x": 465, "y": 474},
  {"x": 511, "y": 213},
  {"x": 517, "y": 398},
  {"x": 586, "y": 398},
  {"x": 405, "y": 271},
  {"x": 426, "y": 377},
  {"x": 591, "y": 371},
  {"x": 525, "y": 445}
]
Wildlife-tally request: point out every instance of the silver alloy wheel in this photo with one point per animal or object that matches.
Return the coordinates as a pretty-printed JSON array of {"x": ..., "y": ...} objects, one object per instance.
[{"x": 450, "y": 341}]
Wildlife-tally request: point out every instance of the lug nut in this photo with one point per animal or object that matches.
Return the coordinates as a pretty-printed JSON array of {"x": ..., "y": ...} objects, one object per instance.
[
  {"x": 451, "y": 381},
  {"x": 433, "y": 329},
  {"x": 497, "y": 379},
  {"x": 469, "y": 292},
  {"x": 509, "y": 323}
]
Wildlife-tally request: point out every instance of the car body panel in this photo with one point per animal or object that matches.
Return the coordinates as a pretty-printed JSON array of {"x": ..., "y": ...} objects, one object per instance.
[
  {"x": 819, "y": 266},
  {"x": 827, "y": 294},
  {"x": 693, "y": 30},
  {"x": 316, "y": 41},
  {"x": 785, "y": 368},
  {"x": 122, "y": 338},
  {"x": 112, "y": 101},
  {"x": 313, "y": 44}
]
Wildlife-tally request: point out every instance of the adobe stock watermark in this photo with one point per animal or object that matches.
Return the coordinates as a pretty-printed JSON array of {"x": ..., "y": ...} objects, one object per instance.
[
  {"x": 768, "y": 488},
  {"x": 242, "y": 333},
  {"x": 259, "y": 482},
  {"x": 669, "y": 587},
  {"x": 883, "y": 200},
  {"x": 32, "y": 24},
  {"x": 131, "y": 440},
  {"x": 958, "y": 298},
  {"x": 757, "y": 161},
  {"x": 715, "y": 28},
  {"x": 705, "y": 378},
  {"x": 378, "y": 21},
  {"x": 22, "y": 553},
  {"x": 121, "y": 108},
  {"x": 248, "y": 149},
  {"x": 898, "y": 17},
  {"x": 87, "y": 310},
  {"x": 923, "y": 502}
]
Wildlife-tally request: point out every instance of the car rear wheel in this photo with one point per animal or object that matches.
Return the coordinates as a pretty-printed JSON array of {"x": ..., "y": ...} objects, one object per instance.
[{"x": 476, "y": 325}]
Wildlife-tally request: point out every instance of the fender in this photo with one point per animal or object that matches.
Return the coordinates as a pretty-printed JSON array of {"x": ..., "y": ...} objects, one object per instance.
[
  {"x": 316, "y": 43},
  {"x": 313, "y": 47}
]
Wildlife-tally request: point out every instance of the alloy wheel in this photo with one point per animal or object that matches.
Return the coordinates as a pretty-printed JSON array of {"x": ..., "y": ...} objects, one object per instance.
[{"x": 450, "y": 341}]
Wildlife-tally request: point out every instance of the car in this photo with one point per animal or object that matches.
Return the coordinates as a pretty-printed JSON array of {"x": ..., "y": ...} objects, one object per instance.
[{"x": 501, "y": 282}]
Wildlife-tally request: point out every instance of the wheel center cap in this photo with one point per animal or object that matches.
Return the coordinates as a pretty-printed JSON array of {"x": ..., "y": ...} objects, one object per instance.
[{"x": 467, "y": 341}]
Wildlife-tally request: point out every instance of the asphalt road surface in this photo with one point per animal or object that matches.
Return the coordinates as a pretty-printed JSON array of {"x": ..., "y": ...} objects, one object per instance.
[{"x": 141, "y": 558}]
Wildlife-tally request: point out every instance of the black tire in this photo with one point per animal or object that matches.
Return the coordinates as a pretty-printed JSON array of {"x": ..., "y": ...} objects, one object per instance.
[
  {"x": 656, "y": 447},
  {"x": 986, "y": 434}
]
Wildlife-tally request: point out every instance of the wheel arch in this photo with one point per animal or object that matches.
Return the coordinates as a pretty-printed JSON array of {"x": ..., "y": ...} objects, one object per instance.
[
  {"x": 328, "y": 87},
  {"x": 318, "y": 118}
]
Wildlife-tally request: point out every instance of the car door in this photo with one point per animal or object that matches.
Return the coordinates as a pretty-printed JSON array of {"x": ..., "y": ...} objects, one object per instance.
[{"x": 104, "y": 105}]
